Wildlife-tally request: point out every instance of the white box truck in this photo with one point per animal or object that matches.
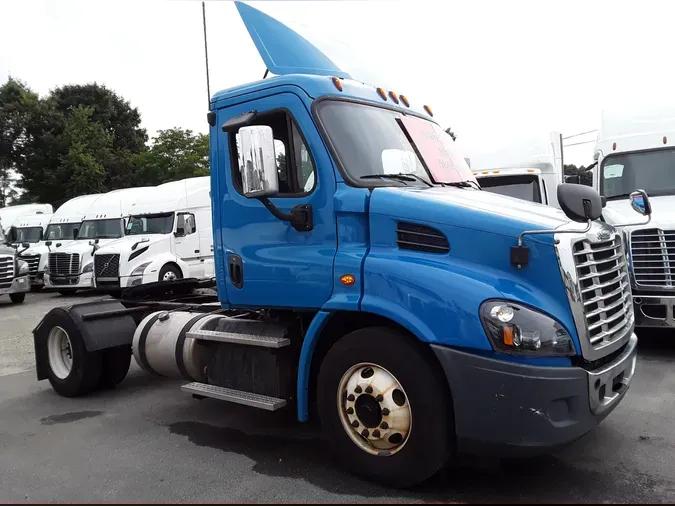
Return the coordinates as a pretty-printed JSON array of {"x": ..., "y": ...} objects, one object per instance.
[
  {"x": 71, "y": 267},
  {"x": 168, "y": 236},
  {"x": 529, "y": 170},
  {"x": 62, "y": 229}
]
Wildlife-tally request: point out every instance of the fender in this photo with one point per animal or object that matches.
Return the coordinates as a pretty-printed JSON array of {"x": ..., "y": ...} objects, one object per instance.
[{"x": 157, "y": 262}]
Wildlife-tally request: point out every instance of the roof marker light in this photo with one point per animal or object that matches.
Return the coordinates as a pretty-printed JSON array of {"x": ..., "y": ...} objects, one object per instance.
[
  {"x": 428, "y": 109},
  {"x": 382, "y": 93},
  {"x": 404, "y": 99},
  {"x": 337, "y": 83},
  {"x": 393, "y": 96},
  {"x": 614, "y": 146},
  {"x": 665, "y": 139}
]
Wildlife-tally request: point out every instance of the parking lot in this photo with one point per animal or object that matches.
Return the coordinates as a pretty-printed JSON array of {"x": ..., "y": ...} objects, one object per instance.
[{"x": 148, "y": 441}]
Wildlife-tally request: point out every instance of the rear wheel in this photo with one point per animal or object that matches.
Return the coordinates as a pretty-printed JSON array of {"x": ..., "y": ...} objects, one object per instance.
[
  {"x": 72, "y": 370},
  {"x": 115, "y": 366},
  {"x": 384, "y": 407},
  {"x": 17, "y": 298}
]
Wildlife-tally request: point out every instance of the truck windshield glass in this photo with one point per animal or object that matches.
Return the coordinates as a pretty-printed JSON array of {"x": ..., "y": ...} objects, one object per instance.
[
  {"x": 374, "y": 144},
  {"x": 28, "y": 234},
  {"x": 100, "y": 229},
  {"x": 652, "y": 171},
  {"x": 520, "y": 187},
  {"x": 57, "y": 232},
  {"x": 150, "y": 224}
]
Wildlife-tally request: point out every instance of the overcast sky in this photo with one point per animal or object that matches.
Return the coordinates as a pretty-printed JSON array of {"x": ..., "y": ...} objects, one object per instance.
[{"x": 494, "y": 71}]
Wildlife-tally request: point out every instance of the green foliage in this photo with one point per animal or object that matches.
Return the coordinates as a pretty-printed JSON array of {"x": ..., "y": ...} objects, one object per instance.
[{"x": 585, "y": 175}]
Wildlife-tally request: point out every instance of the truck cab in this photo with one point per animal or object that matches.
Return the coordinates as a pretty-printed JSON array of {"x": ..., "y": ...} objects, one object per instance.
[
  {"x": 168, "y": 236},
  {"x": 70, "y": 268},
  {"x": 635, "y": 148},
  {"x": 11, "y": 213},
  {"x": 530, "y": 170},
  {"x": 363, "y": 278}
]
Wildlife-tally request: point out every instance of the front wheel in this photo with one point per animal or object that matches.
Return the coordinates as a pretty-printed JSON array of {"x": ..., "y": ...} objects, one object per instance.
[
  {"x": 385, "y": 408},
  {"x": 17, "y": 298},
  {"x": 170, "y": 273}
]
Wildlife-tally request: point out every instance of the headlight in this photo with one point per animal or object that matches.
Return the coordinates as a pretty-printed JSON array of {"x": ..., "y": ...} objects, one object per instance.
[
  {"x": 138, "y": 271},
  {"x": 23, "y": 267},
  {"x": 516, "y": 329},
  {"x": 88, "y": 268}
]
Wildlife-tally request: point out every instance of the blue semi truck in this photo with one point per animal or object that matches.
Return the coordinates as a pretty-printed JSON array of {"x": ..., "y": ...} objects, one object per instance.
[{"x": 363, "y": 278}]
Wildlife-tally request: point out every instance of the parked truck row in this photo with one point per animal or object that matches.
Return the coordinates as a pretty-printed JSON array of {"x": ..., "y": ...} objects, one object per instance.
[{"x": 365, "y": 279}]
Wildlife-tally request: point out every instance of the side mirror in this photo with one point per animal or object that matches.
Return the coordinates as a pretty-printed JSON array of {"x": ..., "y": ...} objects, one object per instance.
[
  {"x": 48, "y": 243},
  {"x": 575, "y": 179},
  {"x": 639, "y": 201},
  {"x": 603, "y": 199},
  {"x": 75, "y": 232},
  {"x": 12, "y": 234},
  {"x": 398, "y": 161},
  {"x": 180, "y": 232},
  {"x": 580, "y": 203},
  {"x": 25, "y": 245},
  {"x": 258, "y": 166}
]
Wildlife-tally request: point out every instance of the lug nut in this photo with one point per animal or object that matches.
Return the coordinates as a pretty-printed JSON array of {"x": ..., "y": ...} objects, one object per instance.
[
  {"x": 385, "y": 412},
  {"x": 350, "y": 411},
  {"x": 351, "y": 397},
  {"x": 365, "y": 433},
  {"x": 358, "y": 390},
  {"x": 369, "y": 390},
  {"x": 355, "y": 423},
  {"x": 384, "y": 425},
  {"x": 376, "y": 433},
  {"x": 379, "y": 398}
]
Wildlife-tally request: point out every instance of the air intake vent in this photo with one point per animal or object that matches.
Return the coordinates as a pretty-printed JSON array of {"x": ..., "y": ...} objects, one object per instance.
[{"x": 421, "y": 238}]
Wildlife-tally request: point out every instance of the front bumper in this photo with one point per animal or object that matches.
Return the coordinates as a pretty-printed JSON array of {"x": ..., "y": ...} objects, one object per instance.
[
  {"x": 509, "y": 409},
  {"x": 654, "y": 310},
  {"x": 80, "y": 281},
  {"x": 19, "y": 284}
]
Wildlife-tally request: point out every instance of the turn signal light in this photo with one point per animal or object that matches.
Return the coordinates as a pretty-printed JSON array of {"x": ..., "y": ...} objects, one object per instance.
[{"x": 347, "y": 279}]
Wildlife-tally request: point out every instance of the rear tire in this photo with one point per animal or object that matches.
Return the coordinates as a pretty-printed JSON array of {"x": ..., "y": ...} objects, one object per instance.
[
  {"x": 419, "y": 412},
  {"x": 71, "y": 369},
  {"x": 115, "y": 366},
  {"x": 17, "y": 298}
]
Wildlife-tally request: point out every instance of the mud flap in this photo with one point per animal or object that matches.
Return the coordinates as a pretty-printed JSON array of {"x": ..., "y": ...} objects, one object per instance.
[{"x": 97, "y": 334}]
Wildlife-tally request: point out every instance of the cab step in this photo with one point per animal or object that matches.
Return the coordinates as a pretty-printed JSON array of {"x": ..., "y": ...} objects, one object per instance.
[
  {"x": 236, "y": 396},
  {"x": 237, "y": 338}
]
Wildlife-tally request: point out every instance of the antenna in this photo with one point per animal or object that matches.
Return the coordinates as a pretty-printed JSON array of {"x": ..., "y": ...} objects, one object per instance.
[{"x": 206, "y": 54}]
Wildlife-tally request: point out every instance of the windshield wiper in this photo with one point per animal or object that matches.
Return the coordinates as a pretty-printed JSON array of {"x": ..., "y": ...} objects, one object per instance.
[
  {"x": 398, "y": 177},
  {"x": 464, "y": 184}
]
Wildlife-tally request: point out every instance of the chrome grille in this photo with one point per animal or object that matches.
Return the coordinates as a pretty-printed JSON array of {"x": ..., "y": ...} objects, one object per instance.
[
  {"x": 33, "y": 262},
  {"x": 63, "y": 264},
  {"x": 6, "y": 271},
  {"x": 604, "y": 289},
  {"x": 653, "y": 257},
  {"x": 107, "y": 265}
]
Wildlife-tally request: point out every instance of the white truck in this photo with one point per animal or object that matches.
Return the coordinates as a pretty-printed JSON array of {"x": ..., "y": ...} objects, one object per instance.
[
  {"x": 636, "y": 149},
  {"x": 168, "y": 236},
  {"x": 529, "y": 170},
  {"x": 62, "y": 228},
  {"x": 71, "y": 267},
  {"x": 9, "y": 214},
  {"x": 29, "y": 228}
]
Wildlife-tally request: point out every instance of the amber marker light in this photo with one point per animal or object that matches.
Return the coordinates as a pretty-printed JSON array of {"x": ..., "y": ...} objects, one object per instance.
[
  {"x": 347, "y": 279},
  {"x": 337, "y": 83}
]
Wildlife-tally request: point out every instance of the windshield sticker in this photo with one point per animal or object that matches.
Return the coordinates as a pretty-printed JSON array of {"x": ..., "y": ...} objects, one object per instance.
[
  {"x": 439, "y": 153},
  {"x": 613, "y": 171}
]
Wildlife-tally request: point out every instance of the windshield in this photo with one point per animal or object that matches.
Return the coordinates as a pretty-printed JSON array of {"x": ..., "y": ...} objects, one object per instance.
[
  {"x": 28, "y": 234},
  {"x": 57, "y": 232},
  {"x": 101, "y": 229},
  {"x": 652, "y": 171},
  {"x": 372, "y": 142},
  {"x": 520, "y": 187},
  {"x": 150, "y": 224}
]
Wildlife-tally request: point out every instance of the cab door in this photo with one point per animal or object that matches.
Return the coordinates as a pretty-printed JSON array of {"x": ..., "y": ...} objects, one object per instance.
[{"x": 267, "y": 262}]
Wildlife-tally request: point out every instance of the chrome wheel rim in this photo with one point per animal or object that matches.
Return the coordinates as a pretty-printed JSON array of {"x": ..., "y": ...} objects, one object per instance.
[
  {"x": 374, "y": 409},
  {"x": 60, "y": 351},
  {"x": 169, "y": 276}
]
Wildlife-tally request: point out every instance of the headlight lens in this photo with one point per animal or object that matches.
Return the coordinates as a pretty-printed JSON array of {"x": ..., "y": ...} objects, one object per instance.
[
  {"x": 138, "y": 271},
  {"x": 88, "y": 268},
  {"x": 23, "y": 267},
  {"x": 516, "y": 329}
]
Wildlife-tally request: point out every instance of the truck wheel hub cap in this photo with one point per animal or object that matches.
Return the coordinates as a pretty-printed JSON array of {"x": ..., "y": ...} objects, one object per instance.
[{"x": 374, "y": 409}]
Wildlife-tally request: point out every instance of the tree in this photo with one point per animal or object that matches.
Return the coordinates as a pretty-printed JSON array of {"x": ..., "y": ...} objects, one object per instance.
[
  {"x": 17, "y": 104},
  {"x": 451, "y": 133},
  {"x": 585, "y": 175},
  {"x": 175, "y": 154}
]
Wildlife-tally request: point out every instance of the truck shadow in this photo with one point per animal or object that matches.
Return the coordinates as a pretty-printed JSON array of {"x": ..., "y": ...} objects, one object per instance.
[
  {"x": 656, "y": 344},
  {"x": 308, "y": 458}
]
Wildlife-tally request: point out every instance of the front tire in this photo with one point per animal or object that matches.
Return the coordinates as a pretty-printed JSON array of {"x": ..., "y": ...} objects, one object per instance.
[
  {"x": 385, "y": 408},
  {"x": 17, "y": 298},
  {"x": 170, "y": 273},
  {"x": 71, "y": 369}
]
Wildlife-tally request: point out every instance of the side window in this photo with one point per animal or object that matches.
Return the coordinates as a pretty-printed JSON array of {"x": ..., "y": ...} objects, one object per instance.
[
  {"x": 295, "y": 166},
  {"x": 185, "y": 224}
]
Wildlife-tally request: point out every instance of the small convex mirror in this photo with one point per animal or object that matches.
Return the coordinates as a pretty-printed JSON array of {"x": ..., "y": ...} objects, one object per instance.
[
  {"x": 639, "y": 201},
  {"x": 257, "y": 161}
]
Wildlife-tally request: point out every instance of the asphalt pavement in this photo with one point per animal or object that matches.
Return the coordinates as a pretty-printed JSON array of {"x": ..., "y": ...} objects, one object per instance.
[{"x": 148, "y": 441}]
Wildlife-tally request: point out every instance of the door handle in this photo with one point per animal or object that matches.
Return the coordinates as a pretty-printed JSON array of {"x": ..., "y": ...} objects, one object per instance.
[
  {"x": 196, "y": 251},
  {"x": 236, "y": 270}
]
